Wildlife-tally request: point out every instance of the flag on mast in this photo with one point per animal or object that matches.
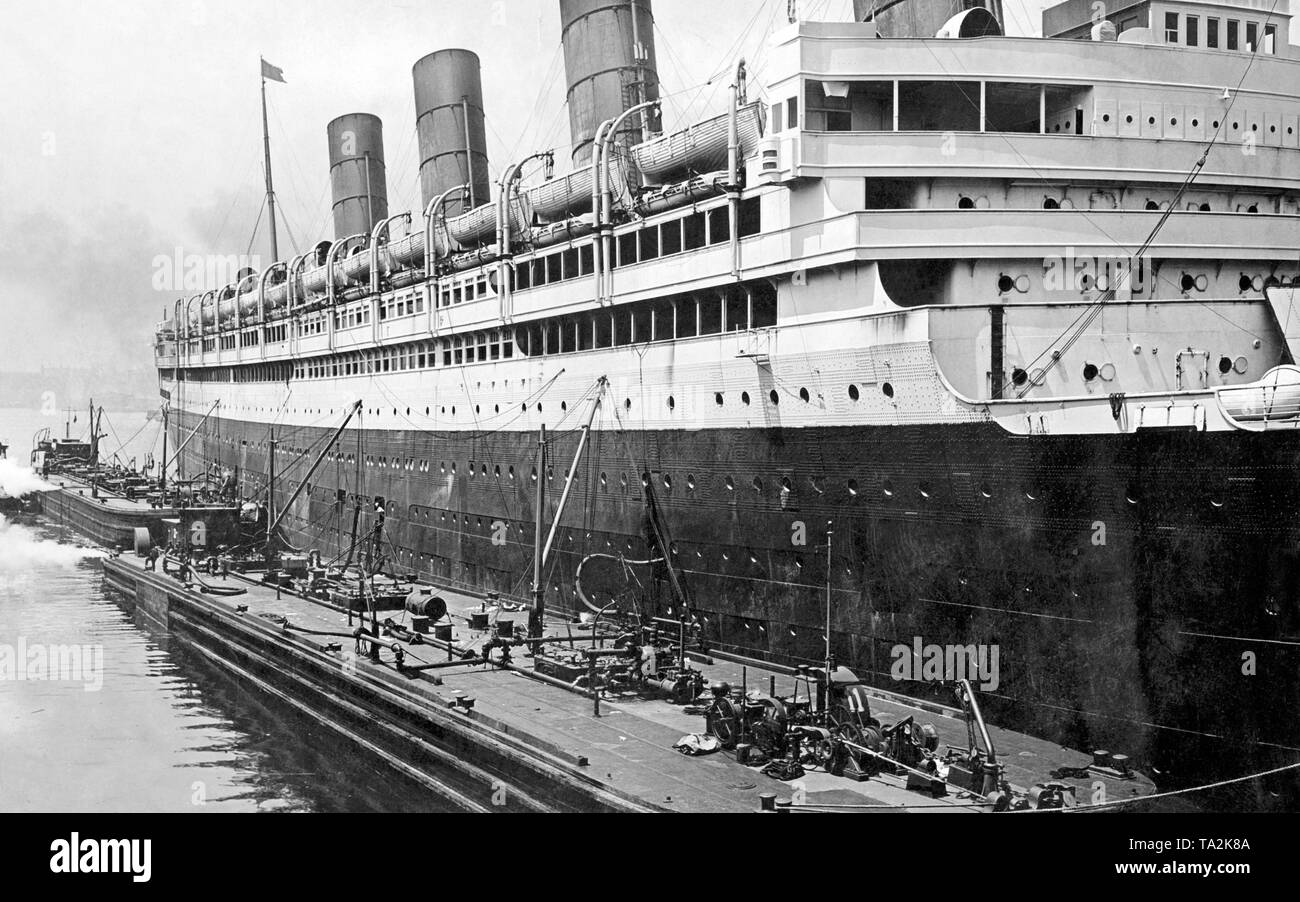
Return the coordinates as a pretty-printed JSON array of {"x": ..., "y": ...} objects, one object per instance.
[{"x": 275, "y": 73}]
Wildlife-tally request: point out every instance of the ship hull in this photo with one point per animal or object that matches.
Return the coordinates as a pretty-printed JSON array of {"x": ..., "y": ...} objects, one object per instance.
[{"x": 1138, "y": 590}]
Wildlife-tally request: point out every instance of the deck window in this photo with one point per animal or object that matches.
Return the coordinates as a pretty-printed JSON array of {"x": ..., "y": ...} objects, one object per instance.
[
  {"x": 693, "y": 231},
  {"x": 719, "y": 225},
  {"x": 648, "y": 239},
  {"x": 627, "y": 249},
  {"x": 939, "y": 106}
]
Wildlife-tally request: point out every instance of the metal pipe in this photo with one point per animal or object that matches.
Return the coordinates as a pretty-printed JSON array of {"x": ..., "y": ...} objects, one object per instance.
[
  {"x": 381, "y": 229},
  {"x": 537, "y": 614},
  {"x": 608, "y": 198},
  {"x": 329, "y": 264},
  {"x": 295, "y": 276},
  {"x": 270, "y": 530},
  {"x": 598, "y": 256},
  {"x": 432, "y": 212},
  {"x": 733, "y": 171},
  {"x": 503, "y": 229},
  {"x": 979, "y": 721},
  {"x": 573, "y": 467}
]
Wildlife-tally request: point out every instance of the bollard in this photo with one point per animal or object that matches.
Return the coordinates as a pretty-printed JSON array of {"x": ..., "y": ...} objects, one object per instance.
[{"x": 767, "y": 801}]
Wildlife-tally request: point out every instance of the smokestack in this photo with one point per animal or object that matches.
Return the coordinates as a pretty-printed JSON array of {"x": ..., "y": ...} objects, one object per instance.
[
  {"x": 609, "y": 62},
  {"x": 449, "y": 119},
  {"x": 358, "y": 177},
  {"x": 917, "y": 18}
]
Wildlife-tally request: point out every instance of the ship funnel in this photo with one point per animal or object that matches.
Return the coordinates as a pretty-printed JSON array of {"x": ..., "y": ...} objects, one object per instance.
[
  {"x": 609, "y": 63},
  {"x": 922, "y": 18},
  {"x": 358, "y": 177},
  {"x": 449, "y": 119}
]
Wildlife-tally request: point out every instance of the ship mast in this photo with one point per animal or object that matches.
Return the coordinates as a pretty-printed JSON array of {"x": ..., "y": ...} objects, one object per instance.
[{"x": 269, "y": 71}]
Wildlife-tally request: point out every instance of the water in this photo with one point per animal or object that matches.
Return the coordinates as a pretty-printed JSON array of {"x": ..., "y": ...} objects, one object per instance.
[{"x": 164, "y": 729}]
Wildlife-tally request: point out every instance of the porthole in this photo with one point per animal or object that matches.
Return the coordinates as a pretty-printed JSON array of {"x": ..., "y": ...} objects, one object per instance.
[
  {"x": 1225, "y": 365},
  {"x": 774, "y": 397},
  {"x": 604, "y": 480},
  {"x": 512, "y": 474},
  {"x": 985, "y": 490},
  {"x": 668, "y": 482},
  {"x": 1204, "y": 208},
  {"x": 717, "y": 398},
  {"x": 965, "y": 203},
  {"x": 1006, "y": 283},
  {"x": 1132, "y": 496},
  {"x": 1152, "y": 205},
  {"x": 803, "y": 395},
  {"x": 533, "y": 475},
  {"x": 564, "y": 406},
  {"x": 645, "y": 480},
  {"x": 785, "y": 484},
  {"x": 1090, "y": 372},
  {"x": 690, "y": 481},
  {"x": 622, "y": 481},
  {"x": 888, "y": 390},
  {"x": 1051, "y": 203},
  {"x": 925, "y": 489},
  {"x": 1253, "y": 208},
  {"x": 1240, "y": 365},
  {"x": 853, "y": 487},
  {"x": 730, "y": 483},
  {"x": 758, "y": 485},
  {"x": 627, "y": 403},
  {"x": 1019, "y": 376},
  {"x": 1187, "y": 282},
  {"x": 853, "y": 392},
  {"x": 671, "y": 402},
  {"x": 1244, "y": 283},
  {"x": 887, "y": 487}
]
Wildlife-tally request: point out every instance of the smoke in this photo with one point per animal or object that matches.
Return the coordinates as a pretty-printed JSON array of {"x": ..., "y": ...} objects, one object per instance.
[
  {"x": 85, "y": 290},
  {"x": 22, "y": 549},
  {"x": 17, "y": 480}
]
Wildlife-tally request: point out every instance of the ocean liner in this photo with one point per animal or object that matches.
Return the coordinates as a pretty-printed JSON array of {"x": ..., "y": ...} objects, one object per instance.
[{"x": 1004, "y": 322}]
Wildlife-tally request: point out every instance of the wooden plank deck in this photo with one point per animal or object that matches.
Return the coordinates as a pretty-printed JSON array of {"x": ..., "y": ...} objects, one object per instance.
[{"x": 628, "y": 749}]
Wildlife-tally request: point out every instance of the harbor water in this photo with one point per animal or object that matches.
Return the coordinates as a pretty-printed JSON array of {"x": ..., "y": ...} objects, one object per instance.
[{"x": 100, "y": 713}]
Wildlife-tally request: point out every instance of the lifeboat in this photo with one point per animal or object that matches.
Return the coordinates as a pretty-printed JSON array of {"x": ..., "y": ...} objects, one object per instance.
[{"x": 1274, "y": 397}]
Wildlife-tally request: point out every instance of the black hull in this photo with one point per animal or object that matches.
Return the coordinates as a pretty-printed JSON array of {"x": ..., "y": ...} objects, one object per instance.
[{"x": 1124, "y": 579}]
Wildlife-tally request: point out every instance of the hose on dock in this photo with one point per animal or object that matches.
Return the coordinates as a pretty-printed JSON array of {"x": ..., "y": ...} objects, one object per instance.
[{"x": 190, "y": 572}]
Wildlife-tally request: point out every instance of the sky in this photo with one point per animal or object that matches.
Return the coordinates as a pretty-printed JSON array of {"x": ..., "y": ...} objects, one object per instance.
[{"x": 133, "y": 131}]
